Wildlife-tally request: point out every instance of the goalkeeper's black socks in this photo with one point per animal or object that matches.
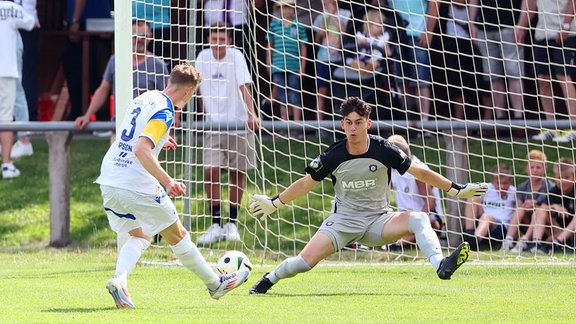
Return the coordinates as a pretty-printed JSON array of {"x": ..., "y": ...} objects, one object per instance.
[{"x": 215, "y": 212}]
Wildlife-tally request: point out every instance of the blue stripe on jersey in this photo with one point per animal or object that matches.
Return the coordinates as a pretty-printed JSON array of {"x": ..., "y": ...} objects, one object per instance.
[
  {"x": 129, "y": 216},
  {"x": 165, "y": 115}
]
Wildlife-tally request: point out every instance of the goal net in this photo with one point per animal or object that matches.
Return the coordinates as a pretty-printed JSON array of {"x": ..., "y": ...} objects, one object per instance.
[{"x": 472, "y": 109}]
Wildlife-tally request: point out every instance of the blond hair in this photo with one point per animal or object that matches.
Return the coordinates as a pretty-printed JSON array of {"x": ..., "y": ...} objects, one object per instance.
[
  {"x": 536, "y": 155},
  {"x": 185, "y": 74},
  {"x": 401, "y": 142}
]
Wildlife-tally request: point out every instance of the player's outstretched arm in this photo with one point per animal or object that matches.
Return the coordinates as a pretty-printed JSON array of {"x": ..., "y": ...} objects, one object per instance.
[
  {"x": 467, "y": 190},
  {"x": 264, "y": 205}
]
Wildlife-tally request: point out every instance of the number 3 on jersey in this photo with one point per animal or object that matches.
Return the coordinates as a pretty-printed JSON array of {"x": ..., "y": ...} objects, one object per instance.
[{"x": 128, "y": 134}]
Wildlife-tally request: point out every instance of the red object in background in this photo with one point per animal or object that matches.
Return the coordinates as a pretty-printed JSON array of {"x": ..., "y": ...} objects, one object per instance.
[
  {"x": 46, "y": 107},
  {"x": 93, "y": 117}
]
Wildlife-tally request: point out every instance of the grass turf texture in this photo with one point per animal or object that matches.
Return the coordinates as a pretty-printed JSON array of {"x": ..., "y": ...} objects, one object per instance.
[{"x": 63, "y": 286}]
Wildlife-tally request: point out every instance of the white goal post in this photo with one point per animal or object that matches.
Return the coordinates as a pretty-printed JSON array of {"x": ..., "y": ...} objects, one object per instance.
[{"x": 462, "y": 147}]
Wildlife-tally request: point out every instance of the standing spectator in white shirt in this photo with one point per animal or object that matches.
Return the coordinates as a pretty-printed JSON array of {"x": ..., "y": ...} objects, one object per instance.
[
  {"x": 226, "y": 94},
  {"x": 12, "y": 18}
]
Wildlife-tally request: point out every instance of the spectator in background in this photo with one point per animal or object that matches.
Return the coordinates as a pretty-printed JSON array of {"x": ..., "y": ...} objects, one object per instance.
[
  {"x": 462, "y": 68},
  {"x": 157, "y": 14},
  {"x": 420, "y": 19},
  {"x": 373, "y": 44},
  {"x": 554, "y": 218},
  {"x": 22, "y": 147},
  {"x": 12, "y": 18},
  {"x": 554, "y": 56},
  {"x": 527, "y": 195},
  {"x": 487, "y": 218},
  {"x": 502, "y": 56},
  {"x": 77, "y": 13},
  {"x": 236, "y": 14},
  {"x": 149, "y": 72},
  {"x": 31, "y": 41},
  {"x": 286, "y": 58},
  {"x": 226, "y": 96},
  {"x": 328, "y": 30},
  {"x": 413, "y": 194}
]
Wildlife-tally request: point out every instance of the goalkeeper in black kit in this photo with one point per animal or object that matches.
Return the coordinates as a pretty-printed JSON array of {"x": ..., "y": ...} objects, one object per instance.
[{"x": 360, "y": 167}]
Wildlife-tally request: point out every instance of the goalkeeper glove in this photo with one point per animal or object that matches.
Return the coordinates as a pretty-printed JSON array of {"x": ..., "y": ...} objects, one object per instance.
[
  {"x": 468, "y": 190},
  {"x": 264, "y": 205}
]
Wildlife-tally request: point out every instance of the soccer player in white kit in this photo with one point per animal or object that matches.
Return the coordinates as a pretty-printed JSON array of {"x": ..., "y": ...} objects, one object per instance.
[
  {"x": 360, "y": 167},
  {"x": 137, "y": 190}
]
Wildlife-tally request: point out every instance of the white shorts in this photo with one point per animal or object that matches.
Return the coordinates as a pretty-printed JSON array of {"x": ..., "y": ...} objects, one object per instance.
[
  {"x": 128, "y": 210},
  {"x": 7, "y": 99}
]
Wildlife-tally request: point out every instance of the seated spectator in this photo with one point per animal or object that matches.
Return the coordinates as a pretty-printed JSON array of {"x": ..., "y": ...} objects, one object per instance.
[
  {"x": 527, "y": 195},
  {"x": 488, "y": 217},
  {"x": 554, "y": 218},
  {"x": 149, "y": 72},
  {"x": 286, "y": 59},
  {"x": 373, "y": 44},
  {"x": 412, "y": 194}
]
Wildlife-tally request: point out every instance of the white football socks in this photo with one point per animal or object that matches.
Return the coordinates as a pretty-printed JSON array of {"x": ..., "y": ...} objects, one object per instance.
[
  {"x": 129, "y": 255},
  {"x": 192, "y": 259},
  {"x": 426, "y": 238}
]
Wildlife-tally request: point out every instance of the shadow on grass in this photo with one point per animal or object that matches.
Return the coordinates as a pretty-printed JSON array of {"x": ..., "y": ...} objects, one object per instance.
[
  {"x": 338, "y": 294},
  {"x": 79, "y": 310}
]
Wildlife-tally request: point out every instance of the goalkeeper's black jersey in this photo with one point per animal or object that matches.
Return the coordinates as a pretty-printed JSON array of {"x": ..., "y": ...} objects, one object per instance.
[{"x": 361, "y": 182}]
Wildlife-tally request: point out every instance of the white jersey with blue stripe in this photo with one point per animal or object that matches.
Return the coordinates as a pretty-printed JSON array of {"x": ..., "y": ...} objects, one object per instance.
[
  {"x": 150, "y": 115},
  {"x": 361, "y": 182}
]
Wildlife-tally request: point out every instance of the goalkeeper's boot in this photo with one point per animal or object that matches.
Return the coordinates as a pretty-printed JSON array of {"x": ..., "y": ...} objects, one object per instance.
[
  {"x": 229, "y": 282},
  {"x": 451, "y": 263},
  {"x": 118, "y": 288},
  {"x": 262, "y": 286}
]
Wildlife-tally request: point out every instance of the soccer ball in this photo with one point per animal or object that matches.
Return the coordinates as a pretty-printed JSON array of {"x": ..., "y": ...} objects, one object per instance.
[{"x": 232, "y": 261}]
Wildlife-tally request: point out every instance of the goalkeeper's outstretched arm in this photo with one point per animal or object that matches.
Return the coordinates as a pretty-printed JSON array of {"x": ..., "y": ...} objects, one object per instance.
[
  {"x": 264, "y": 205},
  {"x": 433, "y": 178}
]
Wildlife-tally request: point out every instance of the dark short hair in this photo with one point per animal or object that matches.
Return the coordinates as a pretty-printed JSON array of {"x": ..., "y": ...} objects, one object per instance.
[{"x": 357, "y": 105}]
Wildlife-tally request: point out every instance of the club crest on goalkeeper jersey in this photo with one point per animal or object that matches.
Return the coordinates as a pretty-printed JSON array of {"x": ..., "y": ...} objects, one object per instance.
[
  {"x": 361, "y": 182},
  {"x": 150, "y": 115}
]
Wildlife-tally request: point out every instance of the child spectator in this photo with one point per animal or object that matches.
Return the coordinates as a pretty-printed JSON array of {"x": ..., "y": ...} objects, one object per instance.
[
  {"x": 555, "y": 215},
  {"x": 527, "y": 195},
  {"x": 286, "y": 58},
  {"x": 373, "y": 44},
  {"x": 412, "y": 194},
  {"x": 328, "y": 29},
  {"x": 488, "y": 217}
]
